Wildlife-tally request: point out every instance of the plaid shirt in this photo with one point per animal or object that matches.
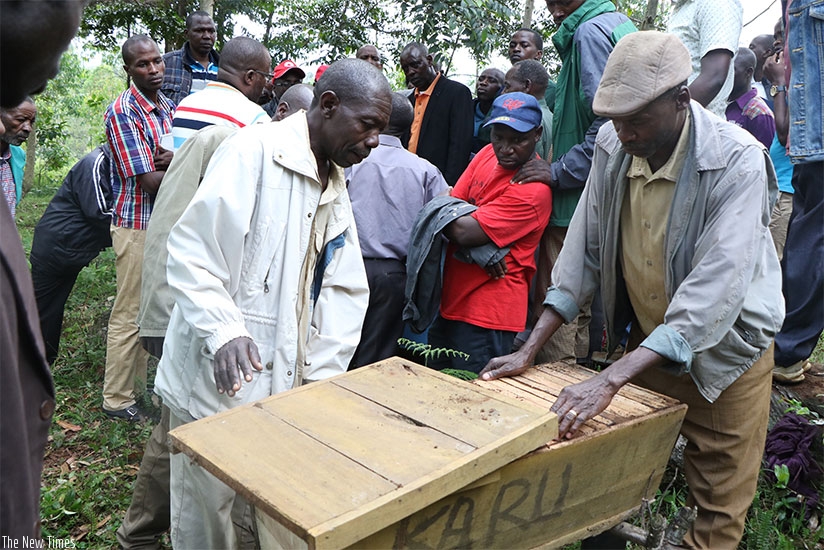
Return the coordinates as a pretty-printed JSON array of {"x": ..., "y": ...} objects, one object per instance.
[{"x": 134, "y": 126}]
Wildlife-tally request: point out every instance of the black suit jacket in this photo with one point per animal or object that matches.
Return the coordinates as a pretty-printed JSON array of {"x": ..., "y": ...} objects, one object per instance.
[{"x": 445, "y": 139}]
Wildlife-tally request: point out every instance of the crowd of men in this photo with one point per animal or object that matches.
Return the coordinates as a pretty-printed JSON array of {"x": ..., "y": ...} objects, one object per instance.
[{"x": 268, "y": 234}]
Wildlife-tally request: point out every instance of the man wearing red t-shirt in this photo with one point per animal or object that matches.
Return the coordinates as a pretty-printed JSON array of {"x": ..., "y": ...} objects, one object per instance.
[{"x": 482, "y": 308}]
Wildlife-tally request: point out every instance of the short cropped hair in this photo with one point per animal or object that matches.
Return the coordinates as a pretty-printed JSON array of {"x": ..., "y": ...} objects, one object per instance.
[{"x": 352, "y": 80}]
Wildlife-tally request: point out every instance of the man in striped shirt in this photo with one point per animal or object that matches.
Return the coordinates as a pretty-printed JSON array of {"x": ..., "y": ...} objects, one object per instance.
[
  {"x": 135, "y": 123},
  {"x": 231, "y": 99}
]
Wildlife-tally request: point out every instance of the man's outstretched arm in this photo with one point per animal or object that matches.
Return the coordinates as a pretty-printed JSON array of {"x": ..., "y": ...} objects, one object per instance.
[{"x": 579, "y": 402}]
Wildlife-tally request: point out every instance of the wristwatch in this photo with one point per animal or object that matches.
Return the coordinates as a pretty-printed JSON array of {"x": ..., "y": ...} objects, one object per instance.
[{"x": 775, "y": 90}]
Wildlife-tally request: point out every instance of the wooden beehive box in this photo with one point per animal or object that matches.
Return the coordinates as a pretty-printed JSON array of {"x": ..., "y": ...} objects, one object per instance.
[
  {"x": 563, "y": 492},
  {"x": 331, "y": 463}
]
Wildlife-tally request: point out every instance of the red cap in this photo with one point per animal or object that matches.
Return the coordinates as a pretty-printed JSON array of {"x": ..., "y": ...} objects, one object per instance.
[
  {"x": 287, "y": 65},
  {"x": 319, "y": 72}
]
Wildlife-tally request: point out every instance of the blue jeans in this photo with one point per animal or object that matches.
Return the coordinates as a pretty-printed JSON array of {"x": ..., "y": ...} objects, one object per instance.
[
  {"x": 481, "y": 344},
  {"x": 803, "y": 268}
]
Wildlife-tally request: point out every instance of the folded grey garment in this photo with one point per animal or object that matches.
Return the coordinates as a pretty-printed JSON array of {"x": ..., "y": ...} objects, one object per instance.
[{"x": 484, "y": 255}]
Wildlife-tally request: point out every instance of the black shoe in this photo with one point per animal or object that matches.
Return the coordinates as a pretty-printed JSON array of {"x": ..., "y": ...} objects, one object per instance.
[{"x": 131, "y": 414}]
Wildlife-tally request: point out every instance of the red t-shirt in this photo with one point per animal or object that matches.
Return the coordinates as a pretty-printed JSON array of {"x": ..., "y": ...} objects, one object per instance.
[{"x": 510, "y": 215}]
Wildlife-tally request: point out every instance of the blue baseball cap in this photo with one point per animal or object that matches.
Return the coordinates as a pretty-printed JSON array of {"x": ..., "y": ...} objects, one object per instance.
[{"x": 517, "y": 110}]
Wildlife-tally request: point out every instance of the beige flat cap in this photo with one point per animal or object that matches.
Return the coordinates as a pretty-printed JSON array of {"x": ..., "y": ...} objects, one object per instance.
[{"x": 642, "y": 66}]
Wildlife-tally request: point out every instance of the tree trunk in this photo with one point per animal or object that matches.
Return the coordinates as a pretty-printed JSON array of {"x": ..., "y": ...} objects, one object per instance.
[
  {"x": 28, "y": 171},
  {"x": 529, "y": 7},
  {"x": 208, "y": 6},
  {"x": 649, "y": 16}
]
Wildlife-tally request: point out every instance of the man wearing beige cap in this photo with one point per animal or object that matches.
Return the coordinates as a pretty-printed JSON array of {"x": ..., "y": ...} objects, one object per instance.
[{"x": 673, "y": 226}]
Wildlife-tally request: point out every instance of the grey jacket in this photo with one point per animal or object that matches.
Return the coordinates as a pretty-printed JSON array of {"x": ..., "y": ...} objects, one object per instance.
[
  {"x": 424, "y": 262},
  {"x": 723, "y": 280}
]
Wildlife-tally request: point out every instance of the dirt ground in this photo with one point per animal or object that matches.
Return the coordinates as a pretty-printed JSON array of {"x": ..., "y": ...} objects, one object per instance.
[{"x": 811, "y": 390}]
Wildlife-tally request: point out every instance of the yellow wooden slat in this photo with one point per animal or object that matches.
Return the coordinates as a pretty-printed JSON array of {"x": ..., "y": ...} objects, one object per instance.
[
  {"x": 375, "y": 436},
  {"x": 440, "y": 401},
  {"x": 285, "y": 473},
  {"x": 318, "y": 459},
  {"x": 367, "y": 519}
]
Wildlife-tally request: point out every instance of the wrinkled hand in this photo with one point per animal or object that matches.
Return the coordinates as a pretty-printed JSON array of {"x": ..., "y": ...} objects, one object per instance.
[
  {"x": 162, "y": 159},
  {"x": 153, "y": 344},
  {"x": 774, "y": 69},
  {"x": 534, "y": 170},
  {"x": 579, "y": 402},
  {"x": 506, "y": 365},
  {"x": 236, "y": 356},
  {"x": 497, "y": 270}
]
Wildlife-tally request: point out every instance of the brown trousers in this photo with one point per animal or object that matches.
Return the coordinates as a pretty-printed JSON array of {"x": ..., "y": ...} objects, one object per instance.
[
  {"x": 571, "y": 340},
  {"x": 725, "y": 444}
]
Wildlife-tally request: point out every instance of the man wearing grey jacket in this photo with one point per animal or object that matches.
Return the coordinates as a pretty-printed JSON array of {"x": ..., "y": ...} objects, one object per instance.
[{"x": 673, "y": 226}]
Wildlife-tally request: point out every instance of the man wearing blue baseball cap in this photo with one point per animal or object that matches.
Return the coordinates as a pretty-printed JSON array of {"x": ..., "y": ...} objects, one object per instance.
[{"x": 483, "y": 308}]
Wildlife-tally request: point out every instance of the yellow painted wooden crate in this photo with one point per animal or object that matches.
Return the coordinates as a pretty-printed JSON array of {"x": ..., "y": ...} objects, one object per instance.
[
  {"x": 331, "y": 463},
  {"x": 563, "y": 492}
]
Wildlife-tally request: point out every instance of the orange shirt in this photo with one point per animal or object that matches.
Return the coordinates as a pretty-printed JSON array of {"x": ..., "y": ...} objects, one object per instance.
[{"x": 421, "y": 101}]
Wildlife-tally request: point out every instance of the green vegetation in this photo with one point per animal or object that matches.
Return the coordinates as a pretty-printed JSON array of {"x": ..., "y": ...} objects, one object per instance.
[
  {"x": 426, "y": 352},
  {"x": 92, "y": 461}
]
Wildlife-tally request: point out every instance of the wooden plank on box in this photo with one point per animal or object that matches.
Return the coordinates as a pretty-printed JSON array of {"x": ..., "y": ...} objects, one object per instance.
[
  {"x": 335, "y": 461},
  {"x": 266, "y": 459},
  {"x": 560, "y": 493},
  {"x": 477, "y": 415},
  {"x": 381, "y": 439}
]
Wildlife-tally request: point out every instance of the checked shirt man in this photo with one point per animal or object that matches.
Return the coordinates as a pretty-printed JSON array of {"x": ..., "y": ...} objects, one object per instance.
[{"x": 135, "y": 123}]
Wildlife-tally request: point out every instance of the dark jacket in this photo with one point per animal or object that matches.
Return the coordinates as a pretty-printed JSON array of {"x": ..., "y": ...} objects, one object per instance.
[
  {"x": 445, "y": 139},
  {"x": 177, "y": 80},
  {"x": 424, "y": 262},
  {"x": 75, "y": 227},
  {"x": 26, "y": 391}
]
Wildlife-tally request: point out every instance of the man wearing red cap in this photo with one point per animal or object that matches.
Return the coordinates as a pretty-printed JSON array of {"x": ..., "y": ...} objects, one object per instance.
[
  {"x": 320, "y": 71},
  {"x": 286, "y": 75}
]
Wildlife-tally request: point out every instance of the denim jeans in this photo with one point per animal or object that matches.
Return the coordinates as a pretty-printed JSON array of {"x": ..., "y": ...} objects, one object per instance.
[{"x": 803, "y": 268}]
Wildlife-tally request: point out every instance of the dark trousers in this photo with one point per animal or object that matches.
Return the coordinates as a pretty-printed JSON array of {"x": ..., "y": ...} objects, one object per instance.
[
  {"x": 149, "y": 514},
  {"x": 803, "y": 268},
  {"x": 53, "y": 282},
  {"x": 383, "y": 324},
  {"x": 481, "y": 344}
]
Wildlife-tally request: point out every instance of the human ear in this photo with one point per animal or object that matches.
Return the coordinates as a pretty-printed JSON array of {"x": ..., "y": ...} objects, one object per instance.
[
  {"x": 282, "y": 109},
  {"x": 682, "y": 100},
  {"x": 329, "y": 103}
]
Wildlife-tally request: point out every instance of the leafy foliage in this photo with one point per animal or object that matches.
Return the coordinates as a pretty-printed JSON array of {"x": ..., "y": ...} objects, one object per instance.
[
  {"x": 776, "y": 521},
  {"x": 322, "y": 31},
  {"x": 461, "y": 374},
  {"x": 428, "y": 352},
  {"x": 107, "y": 23},
  {"x": 317, "y": 30},
  {"x": 70, "y": 113}
]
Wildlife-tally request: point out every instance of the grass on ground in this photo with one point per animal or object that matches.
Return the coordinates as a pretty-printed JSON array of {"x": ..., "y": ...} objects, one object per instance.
[{"x": 91, "y": 461}]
